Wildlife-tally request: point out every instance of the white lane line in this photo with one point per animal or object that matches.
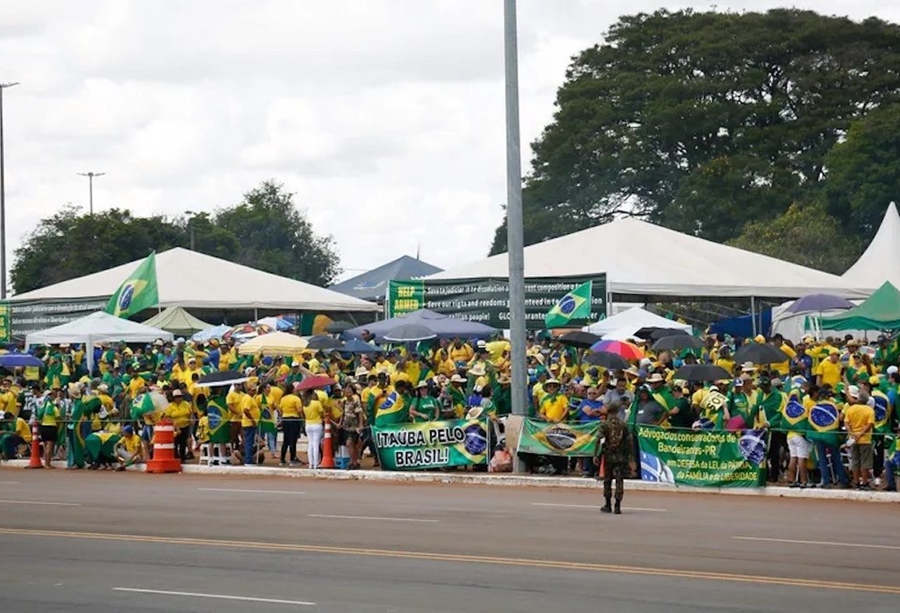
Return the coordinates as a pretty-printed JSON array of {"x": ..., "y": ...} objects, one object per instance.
[
  {"x": 407, "y": 519},
  {"x": 595, "y": 507},
  {"x": 216, "y": 596},
  {"x": 222, "y": 489},
  {"x": 823, "y": 543},
  {"x": 9, "y": 483},
  {"x": 41, "y": 502}
]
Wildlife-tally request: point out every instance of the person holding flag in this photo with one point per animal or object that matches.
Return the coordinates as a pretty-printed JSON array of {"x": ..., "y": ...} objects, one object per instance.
[{"x": 574, "y": 305}]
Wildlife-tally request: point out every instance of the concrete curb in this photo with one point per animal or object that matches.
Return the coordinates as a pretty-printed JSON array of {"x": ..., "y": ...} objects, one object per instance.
[{"x": 462, "y": 478}]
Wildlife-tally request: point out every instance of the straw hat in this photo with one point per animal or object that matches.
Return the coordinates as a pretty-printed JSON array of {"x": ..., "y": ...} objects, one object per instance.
[{"x": 475, "y": 413}]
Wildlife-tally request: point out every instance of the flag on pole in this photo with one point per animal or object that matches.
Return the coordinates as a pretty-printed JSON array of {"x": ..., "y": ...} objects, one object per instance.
[
  {"x": 138, "y": 292},
  {"x": 574, "y": 305}
]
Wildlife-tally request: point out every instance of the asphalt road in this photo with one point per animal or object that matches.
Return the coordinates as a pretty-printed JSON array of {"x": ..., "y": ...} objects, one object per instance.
[{"x": 82, "y": 541}]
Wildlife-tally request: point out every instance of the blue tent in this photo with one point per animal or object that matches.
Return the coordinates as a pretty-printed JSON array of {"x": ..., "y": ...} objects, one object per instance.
[
  {"x": 742, "y": 326},
  {"x": 442, "y": 325}
]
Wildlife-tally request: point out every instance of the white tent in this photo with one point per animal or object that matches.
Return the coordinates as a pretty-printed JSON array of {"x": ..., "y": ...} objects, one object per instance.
[
  {"x": 177, "y": 321},
  {"x": 643, "y": 259},
  {"x": 626, "y": 323},
  {"x": 195, "y": 280},
  {"x": 96, "y": 328},
  {"x": 881, "y": 260}
]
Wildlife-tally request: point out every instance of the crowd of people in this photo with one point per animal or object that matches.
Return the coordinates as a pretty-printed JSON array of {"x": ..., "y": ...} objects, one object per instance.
[{"x": 830, "y": 399}]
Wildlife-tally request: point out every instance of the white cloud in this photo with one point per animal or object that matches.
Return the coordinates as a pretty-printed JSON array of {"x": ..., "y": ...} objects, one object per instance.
[{"x": 385, "y": 117}]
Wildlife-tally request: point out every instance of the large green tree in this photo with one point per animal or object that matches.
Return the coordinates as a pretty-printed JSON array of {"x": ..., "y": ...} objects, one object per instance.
[
  {"x": 276, "y": 237},
  {"x": 864, "y": 172},
  {"x": 265, "y": 231},
  {"x": 804, "y": 235},
  {"x": 704, "y": 121}
]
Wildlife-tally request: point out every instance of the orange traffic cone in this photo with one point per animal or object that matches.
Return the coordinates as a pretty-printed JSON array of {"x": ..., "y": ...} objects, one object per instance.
[
  {"x": 35, "y": 461},
  {"x": 164, "y": 460},
  {"x": 327, "y": 447}
]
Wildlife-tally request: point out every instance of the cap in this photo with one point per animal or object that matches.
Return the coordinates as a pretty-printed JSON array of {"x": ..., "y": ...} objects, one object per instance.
[
  {"x": 551, "y": 381},
  {"x": 129, "y": 429},
  {"x": 738, "y": 382},
  {"x": 834, "y": 351},
  {"x": 892, "y": 369},
  {"x": 177, "y": 393}
]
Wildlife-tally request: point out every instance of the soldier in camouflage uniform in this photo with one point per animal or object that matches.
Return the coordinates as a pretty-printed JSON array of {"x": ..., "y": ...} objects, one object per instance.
[{"x": 614, "y": 443}]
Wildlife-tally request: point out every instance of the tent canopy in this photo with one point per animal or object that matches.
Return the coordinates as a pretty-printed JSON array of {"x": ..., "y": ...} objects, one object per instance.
[
  {"x": 373, "y": 285},
  {"x": 630, "y": 321},
  {"x": 880, "y": 311},
  {"x": 97, "y": 328},
  {"x": 643, "y": 259},
  {"x": 177, "y": 321},
  {"x": 441, "y": 325},
  {"x": 881, "y": 260},
  {"x": 194, "y": 280}
]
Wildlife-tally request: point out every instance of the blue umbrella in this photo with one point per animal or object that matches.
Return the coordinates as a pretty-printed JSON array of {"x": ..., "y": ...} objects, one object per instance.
[
  {"x": 204, "y": 336},
  {"x": 19, "y": 360},
  {"x": 356, "y": 345},
  {"x": 816, "y": 303}
]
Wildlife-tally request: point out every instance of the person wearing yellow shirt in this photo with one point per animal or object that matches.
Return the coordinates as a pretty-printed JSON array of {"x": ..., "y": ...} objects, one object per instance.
[
  {"x": 234, "y": 401},
  {"x": 554, "y": 406},
  {"x": 106, "y": 400},
  {"x": 538, "y": 392},
  {"x": 48, "y": 416},
  {"x": 7, "y": 398},
  {"x": 859, "y": 419},
  {"x": 18, "y": 433},
  {"x": 128, "y": 449},
  {"x": 314, "y": 413},
  {"x": 830, "y": 372},
  {"x": 249, "y": 423},
  {"x": 291, "y": 409},
  {"x": 496, "y": 349},
  {"x": 460, "y": 352},
  {"x": 180, "y": 412},
  {"x": 783, "y": 368}
]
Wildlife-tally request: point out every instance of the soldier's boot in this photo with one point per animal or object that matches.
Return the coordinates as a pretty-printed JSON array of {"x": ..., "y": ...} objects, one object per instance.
[
  {"x": 607, "y": 508},
  {"x": 618, "y": 509}
]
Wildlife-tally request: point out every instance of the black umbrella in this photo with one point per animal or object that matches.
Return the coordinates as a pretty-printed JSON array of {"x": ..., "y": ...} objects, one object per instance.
[
  {"x": 607, "y": 360},
  {"x": 356, "y": 345},
  {"x": 336, "y": 327},
  {"x": 760, "y": 353},
  {"x": 224, "y": 377},
  {"x": 323, "y": 342},
  {"x": 409, "y": 333},
  {"x": 677, "y": 342},
  {"x": 701, "y": 372},
  {"x": 654, "y": 333},
  {"x": 579, "y": 339}
]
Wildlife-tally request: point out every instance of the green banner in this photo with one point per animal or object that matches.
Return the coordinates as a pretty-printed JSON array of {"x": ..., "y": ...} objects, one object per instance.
[
  {"x": 32, "y": 315},
  {"x": 5, "y": 323},
  {"x": 432, "y": 444},
  {"x": 703, "y": 458},
  {"x": 486, "y": 300},
  {"x": 568, "y": 440}
]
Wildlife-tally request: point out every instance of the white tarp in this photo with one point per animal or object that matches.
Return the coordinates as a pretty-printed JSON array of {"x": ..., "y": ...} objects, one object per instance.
[
  {"x": 643, "y": 259},
  {"x": 194, "y": 280},
  {"x": 623, "y": 325},
  {"x": 97, "y": 328},
  {"x": 881, "y": 260}
]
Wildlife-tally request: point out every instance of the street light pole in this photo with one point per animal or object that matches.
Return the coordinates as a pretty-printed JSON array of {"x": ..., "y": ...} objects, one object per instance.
[
  {"x": 514, "y": 224},
  {"x": 3, "y": 200},
  {"x": 90, "y": 176}
]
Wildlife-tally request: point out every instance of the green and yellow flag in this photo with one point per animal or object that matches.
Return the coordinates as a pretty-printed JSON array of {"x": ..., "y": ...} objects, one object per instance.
[
  {"x": 138, "y": 292},
  {"x": 574, "y": 305}
]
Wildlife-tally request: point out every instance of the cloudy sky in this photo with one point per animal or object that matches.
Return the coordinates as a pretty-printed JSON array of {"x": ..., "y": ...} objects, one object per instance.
[{"x": 384, "y": 116}]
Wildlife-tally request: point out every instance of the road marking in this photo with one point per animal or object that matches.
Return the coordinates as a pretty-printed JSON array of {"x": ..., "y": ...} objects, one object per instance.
[
  {"x": 216, "y": 596},
  {"x": 823, "y": 543},
  {"x": 408, "y": 519},
  {"x": 222, "y": 489},
  {"x": 595, "y": 507},
  {"x": 41, "y": 502},
  {"x": 9, "y": 483},
  {"x": 461, "y": 558}
]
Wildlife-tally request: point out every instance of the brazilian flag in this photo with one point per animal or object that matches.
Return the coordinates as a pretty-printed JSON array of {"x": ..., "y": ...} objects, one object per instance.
[
  {"x": 882, "y": 412},
  {"x": 138, "y": 292},
  {"x": 574, "y": 305},
  {"x": 825, "y": 423},
  {"x": 795, "y": 417},
  {"x": 266, "y": 417},
  {"x": 219, "y": 419}
]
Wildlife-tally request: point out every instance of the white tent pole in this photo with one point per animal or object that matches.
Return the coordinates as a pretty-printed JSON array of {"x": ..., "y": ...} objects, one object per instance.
[
  {"x": 753, "y": 314},
  {"x": 89, "y": 353}
]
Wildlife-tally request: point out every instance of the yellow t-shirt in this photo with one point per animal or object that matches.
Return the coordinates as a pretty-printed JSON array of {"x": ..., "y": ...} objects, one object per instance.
[
  {"x": 249, "y": 411},
  {"x": 314, "y": 412},
  {"x": 538, "y": 392},
  {"x": 784, "y": 368},
  {"x": 23, "y": 429},
  {"x": 132, "y": 445},
  {"x": 135, "y": 385},
  {"x": 234, "y": 400},
  {"x": 857, "y": 417},
  {"x": 726, "y": 364},
  {"x": 180, "y": 413},
  {"x": 203, "y": 429},
  {"x": 830, "y": 372},
  {"x": 554, "y": 408},
  {"x": 495, "y": 350},
  {"x": 463, "y": 353},
  {"x": 291, "y": 406},
  {"x": 51, "y": 415}
]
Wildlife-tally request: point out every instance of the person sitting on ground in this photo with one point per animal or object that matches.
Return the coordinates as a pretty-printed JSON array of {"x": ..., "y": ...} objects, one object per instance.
[{"x": 128, "y": 449}]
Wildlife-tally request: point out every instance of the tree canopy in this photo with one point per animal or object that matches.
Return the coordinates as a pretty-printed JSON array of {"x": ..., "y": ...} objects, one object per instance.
[
  {"x": 706, "y": 122},
  {"x": 265, "y": 231}
]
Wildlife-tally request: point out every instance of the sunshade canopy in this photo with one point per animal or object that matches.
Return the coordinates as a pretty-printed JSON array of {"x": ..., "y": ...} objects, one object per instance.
[
  {"x": 177, "y": 321},
  {"x": 373, "y": 285},
  {"x": 194, "y": 280},
  {"x": 880, "y": 311},
  {"x": 441, "y": 325}
]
